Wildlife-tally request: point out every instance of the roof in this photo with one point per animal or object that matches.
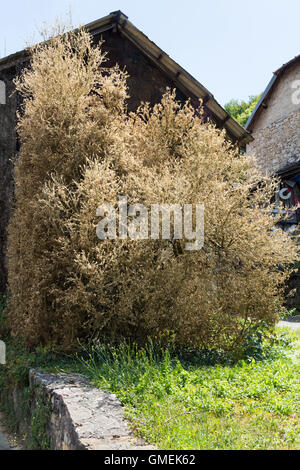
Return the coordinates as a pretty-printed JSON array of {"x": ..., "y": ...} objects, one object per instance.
[
  {"x": 181, "y": 78},
  {"x": 270, "y": 87}
]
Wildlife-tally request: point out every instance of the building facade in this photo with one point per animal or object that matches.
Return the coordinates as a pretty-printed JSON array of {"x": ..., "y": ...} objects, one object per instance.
[
  {"x": 275, "y": 122},
  {"x": 275, "y": 126}
]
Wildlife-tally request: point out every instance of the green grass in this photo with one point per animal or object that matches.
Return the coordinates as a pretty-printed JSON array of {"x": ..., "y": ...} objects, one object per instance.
[
  {"x": 191, "y": 400},
  {"x": 183, "y": 404}
]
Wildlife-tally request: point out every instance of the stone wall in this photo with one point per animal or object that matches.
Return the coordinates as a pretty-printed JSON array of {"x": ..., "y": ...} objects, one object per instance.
[
  {"x": 276, "y": 127},
  {"x": 277, "y": 144},
  {"x": 280, "y": 104},
  {"x": 64, "y": 412},
  {"x": 276, "y": 132},
  {"x": 7, "y": 153}
]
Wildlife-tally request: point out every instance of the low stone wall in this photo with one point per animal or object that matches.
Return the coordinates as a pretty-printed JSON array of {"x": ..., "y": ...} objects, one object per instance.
[{"x": 64, "y": 412}]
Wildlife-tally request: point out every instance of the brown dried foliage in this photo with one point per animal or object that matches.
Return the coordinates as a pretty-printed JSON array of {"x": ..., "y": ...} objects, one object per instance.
[{"x": 80, "y": 149}]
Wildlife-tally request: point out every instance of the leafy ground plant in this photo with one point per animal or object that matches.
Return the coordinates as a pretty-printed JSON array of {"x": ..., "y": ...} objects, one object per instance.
[
  {"x": 191, "y": 399},
  {"x": 179, "y": 403}
]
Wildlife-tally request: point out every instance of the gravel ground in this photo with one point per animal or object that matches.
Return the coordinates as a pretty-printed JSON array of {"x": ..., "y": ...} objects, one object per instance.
[
  {"x": 287, "y": 324},
  {"x": 6, "y": 442},
  {"x": 291, "y": 322}
]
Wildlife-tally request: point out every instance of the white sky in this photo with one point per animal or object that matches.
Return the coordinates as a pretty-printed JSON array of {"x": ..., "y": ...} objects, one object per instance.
[{"x": 231, "y": 46}]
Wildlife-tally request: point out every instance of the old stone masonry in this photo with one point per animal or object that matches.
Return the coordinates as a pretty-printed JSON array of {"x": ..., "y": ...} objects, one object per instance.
[{"x": 77, "y": 416}]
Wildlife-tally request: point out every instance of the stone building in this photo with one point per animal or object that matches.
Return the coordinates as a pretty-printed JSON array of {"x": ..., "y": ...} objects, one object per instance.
[
  {"x": 275, "y": 122},
  {"x": 151, "y": 71},
  {"x": 275, "y": 126}
]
